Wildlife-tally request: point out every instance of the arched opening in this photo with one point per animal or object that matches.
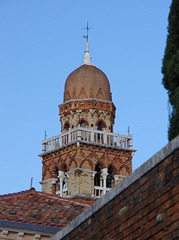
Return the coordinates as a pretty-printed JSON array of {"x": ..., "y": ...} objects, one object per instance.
[
  {"x": 62, "y": 189},
  {"x": 110, "y": 176},
  {"x": 56, "y": 171},
  {"x": 97, "y": 175},
  {"x": 99, "y": 127},
  {"x": 57, "y": 186},
  {"x": 66, "y": 126},
  {"x": 111, "y": 128},
  {"x": 64, "y": 169},
  {"x": 82, "y": 123}
]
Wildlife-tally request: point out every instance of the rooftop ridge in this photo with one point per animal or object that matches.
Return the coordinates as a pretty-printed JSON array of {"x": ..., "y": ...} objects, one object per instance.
[
  {"x": 9, "y": 195},
  {"x": 34, "y": 192}
]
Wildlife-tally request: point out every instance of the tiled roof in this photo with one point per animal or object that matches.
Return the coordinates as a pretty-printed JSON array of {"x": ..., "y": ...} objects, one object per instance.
[{"x": 40, "y": 208}]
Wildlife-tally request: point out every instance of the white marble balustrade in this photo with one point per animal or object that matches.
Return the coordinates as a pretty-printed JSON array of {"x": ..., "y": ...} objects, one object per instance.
[{"x": 87, "y": 135}]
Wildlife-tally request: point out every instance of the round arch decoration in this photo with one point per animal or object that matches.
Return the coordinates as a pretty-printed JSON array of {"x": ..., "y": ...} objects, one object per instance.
[
  {"x": 63, "y": 167},
  {"x": 101, "y": 165},
  {"x": 70, "y": 163},
  {"x": 114, "y": 171},
  {"x": 86, "y": 160}
]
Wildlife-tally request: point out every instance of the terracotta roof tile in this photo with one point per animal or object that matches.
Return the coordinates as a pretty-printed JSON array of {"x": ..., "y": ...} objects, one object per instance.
[{"x": 40, "y": 208}]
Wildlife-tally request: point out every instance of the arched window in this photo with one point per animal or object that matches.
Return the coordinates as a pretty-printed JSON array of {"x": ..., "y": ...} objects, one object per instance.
[
  {"x": 64, "y": 167},
  {"x": 97, "y": 175},
  {"x": 56, "y": 171},
  {"x": 62, "y": 181},
  {"x": 110, "y": 176},
  {"x": 101, "y": 124},
  {"x": 66, "y": 126},
  {"x": 82, "y": 123},
  {"x": 99, "y": 127},
  {"x": 65, "y": 179}
]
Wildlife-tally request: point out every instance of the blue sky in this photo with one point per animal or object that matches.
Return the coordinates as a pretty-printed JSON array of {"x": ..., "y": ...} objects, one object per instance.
[{"x": 41, "y": 44}]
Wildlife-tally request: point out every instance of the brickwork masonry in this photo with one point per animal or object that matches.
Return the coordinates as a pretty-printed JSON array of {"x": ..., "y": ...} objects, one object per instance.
[
  {"x": 143, "y": 206},
  {"x": 86, "y": 157}
]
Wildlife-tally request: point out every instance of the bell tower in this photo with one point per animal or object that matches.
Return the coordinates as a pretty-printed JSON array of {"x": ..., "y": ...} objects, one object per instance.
[{"x": 86, "y": 159}]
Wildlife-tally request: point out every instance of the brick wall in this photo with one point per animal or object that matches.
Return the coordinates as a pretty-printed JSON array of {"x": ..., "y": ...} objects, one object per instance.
[
  {"x": 87, "y": 156},
  {"x": 144, "y": 206}
]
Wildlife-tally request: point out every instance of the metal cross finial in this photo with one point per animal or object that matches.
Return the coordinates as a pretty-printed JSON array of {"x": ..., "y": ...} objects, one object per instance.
[{"x": 87, "y": 29}]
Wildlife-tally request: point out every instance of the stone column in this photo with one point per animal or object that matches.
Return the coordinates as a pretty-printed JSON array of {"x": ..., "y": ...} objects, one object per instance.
[
  {"x": 104, "y": 174},
  {"x": 61, "y": 176},
  {"x": 92, "y": 185}
]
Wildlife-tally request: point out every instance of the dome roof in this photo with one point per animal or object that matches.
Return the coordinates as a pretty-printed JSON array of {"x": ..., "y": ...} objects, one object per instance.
[{"x": 85, "y": 82}]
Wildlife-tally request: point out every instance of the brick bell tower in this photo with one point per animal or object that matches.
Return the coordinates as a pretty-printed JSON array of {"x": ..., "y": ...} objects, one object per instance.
[{"x": 87, "y": 159}]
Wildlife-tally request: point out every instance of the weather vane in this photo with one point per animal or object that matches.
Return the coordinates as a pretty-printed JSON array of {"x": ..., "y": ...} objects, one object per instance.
[{"x": 87, "y": 29}]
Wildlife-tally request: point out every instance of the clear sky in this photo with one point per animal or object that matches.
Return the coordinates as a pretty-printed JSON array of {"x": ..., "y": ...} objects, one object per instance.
[{"x": 41, "y": 44}]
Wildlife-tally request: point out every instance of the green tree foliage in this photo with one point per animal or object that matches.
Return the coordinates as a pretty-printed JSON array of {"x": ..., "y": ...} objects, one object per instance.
[{"x": 170, "y": 69}]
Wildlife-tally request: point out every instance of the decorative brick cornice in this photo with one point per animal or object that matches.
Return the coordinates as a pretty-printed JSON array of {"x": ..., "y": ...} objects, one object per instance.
[{"x": 64, "y": 109}]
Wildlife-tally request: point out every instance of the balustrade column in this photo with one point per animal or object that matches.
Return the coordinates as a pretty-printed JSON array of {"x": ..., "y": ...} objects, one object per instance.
[
  {"x": 92, "y": 135},
  {"x": 60, "y": 141},
  {"x": 105, "y": 137},
  {"x": 43, "y": 147},
  {"x": 69, "y": 136},
  {"x": 51, "y": 143},
  {"x": 130, "y": 142},
  {"x": 79, "y": 133},
  {"x": 118, "y": 136}
]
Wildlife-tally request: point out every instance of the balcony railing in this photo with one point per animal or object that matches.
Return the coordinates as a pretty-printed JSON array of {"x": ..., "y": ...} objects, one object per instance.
[
  {"x": 100, "y": 191},
  {"x": 89, "y": 136}
]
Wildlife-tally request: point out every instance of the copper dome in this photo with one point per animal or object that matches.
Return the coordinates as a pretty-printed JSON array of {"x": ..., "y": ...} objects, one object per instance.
[{"x": 85, "y": 82}]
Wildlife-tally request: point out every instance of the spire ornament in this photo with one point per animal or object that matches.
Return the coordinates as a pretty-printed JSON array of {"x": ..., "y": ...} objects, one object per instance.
[{"x": 87, "y": 57}]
